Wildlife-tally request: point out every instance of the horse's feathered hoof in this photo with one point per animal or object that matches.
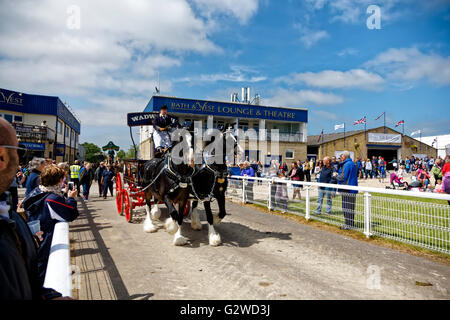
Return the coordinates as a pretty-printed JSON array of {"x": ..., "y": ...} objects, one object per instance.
[
  {"x": 216, "y": 220},
  {"x": 171, "y": 226},
  {"x": 214, "y": 239},
  {"x": 156, "y": 212},
  {"x": 149, "y": 227},
  {"x": 179, "y": 241}
]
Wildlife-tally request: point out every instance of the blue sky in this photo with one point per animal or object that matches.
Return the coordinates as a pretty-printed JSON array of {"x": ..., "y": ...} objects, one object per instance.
[{"x": 318, "y": 55}]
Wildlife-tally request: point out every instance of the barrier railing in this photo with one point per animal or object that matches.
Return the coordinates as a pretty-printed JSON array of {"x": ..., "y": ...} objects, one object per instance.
[
  {"x": 59, "y": 272},
  {"x": 417, "y": 218}
]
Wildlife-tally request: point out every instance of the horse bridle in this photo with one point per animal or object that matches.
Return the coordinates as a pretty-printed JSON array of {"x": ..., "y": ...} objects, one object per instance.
[{"x": 182, "y": 180}]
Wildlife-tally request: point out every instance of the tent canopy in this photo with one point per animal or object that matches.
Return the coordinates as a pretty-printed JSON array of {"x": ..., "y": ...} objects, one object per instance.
[{"x": 111, "y": 146}]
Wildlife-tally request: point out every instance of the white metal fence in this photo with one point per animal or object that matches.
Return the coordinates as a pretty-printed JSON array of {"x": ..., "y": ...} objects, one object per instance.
[{"x": 417, "y": 218}]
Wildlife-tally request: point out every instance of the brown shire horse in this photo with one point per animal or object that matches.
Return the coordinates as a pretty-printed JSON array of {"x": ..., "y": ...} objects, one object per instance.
[{"x": 167, "y": 180}]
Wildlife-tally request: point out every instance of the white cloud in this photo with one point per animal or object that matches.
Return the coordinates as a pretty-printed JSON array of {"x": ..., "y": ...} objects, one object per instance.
[
  {"x": 111, "y": 110},
  {"x": 354, "y": 11},
  {"x": 301, "y": 98},
  {"x": 237, "y": 74},
  {"x": 118, "y": 48},
  {"x": 243, "y": 10},
  {"x": 355, "y": 78},
  {"x": 310, "y": 38},
  {"x": 321, "y": 114},
  {"x": 409, "y": 65},
  {"x": 347, "y": 52}
]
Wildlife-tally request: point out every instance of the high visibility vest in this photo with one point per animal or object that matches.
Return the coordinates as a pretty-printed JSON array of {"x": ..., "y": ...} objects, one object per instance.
[{"x": 74, "y": 171}]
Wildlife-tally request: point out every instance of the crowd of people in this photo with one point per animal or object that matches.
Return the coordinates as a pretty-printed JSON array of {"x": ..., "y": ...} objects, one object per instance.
[
  {"x": 27, "y": 226},
  {"x": 426, "y": 174}
]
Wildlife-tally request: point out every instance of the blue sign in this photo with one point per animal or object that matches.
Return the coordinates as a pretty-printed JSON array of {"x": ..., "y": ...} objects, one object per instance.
[
  {"x": 60, "y": 150},
  {"x": 226, "y": 109},
  {"x": 34, "y": 146},
  {"x": 140, "y": 118}
]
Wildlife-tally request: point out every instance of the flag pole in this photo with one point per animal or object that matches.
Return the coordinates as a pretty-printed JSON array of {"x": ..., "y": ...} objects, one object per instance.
[
  {"x": 344, "y": 135},
  {"x": 420, "y": 139},
  {"x": 323, "y": 152},
  {"x": 365, "y": 126}
]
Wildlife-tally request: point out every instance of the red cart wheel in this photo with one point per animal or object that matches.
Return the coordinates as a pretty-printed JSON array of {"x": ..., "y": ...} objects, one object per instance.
[
  {"x": 119, "y": 183},
  {"x": 128, "y": 205},
  {"x": 119, "y": 202}
]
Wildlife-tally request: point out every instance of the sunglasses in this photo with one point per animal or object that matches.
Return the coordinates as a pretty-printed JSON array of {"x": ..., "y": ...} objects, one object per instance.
[{"x": 21, "y": 150}]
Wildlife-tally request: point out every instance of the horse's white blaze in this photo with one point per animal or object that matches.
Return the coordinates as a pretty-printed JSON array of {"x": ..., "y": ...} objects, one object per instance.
[
  {"x": 171, "y": 226},
  {"x": 178, "y": 239},
  {"x": 195, "y": 220},
  {"x": 148, "y": 223},
  {"x": 214, "y": 236}
]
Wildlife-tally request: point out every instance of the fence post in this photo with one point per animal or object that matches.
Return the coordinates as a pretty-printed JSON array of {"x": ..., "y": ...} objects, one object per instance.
[
  {"x": 367, "y": 213},
  {"x": 243, "y": 190},
  {"x": 307, "y": 216},
  {"x": 269, "y": 202}
]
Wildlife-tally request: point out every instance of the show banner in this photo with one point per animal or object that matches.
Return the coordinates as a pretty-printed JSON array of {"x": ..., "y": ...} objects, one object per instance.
[
  {"x": 136, "y": 119},
  {"x": 34, "y": 146},
  {"x": 236, "y": 110},
  {"x": 385, "y": 137},
  {"x": 60, "y": 150}
]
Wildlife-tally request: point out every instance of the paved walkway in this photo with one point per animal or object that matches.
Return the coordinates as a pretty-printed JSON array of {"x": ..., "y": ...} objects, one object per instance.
[{"x": 263, "y": 256}]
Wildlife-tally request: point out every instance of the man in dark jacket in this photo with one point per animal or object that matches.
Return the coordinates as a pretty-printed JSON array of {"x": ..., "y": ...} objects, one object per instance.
[
  {"x": 326, "y": 176},
  {"x": 99, "y": 177},
  {"x": 348, "y": 175},
  {"x": 18, "y": 254},
  {"x": 108, "y": 176},
  {"x": 162, "y": 123}
]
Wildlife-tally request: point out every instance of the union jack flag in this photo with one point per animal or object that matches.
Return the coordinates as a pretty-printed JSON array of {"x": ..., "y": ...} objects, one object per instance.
[
  {"x": 360, "y": 121},
  {"x": 320, "y": 136},
  {"x": 434, "y": 141},
  {"x": 399, "y": 123}
]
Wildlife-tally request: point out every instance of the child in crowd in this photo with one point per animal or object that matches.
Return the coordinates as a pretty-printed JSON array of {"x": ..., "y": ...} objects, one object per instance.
[{"x": 438, "y": 187}]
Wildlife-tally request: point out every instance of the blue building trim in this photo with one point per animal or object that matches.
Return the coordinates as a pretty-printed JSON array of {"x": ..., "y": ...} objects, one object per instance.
[
  {"x": 383, "y": 146},
  {"x": 226, "y": 109},
  {"x": 37, "y": 104}
]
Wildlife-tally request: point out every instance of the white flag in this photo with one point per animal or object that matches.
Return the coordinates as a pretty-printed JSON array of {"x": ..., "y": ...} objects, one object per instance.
[
  {"x": 415, "y": 132},
  {"x": 339, "y": 126}
]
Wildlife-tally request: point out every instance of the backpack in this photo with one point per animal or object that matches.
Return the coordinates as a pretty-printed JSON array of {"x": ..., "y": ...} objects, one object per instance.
[
  {"x": 446, "y": 183},
  {"x": 81, "y": 173}
]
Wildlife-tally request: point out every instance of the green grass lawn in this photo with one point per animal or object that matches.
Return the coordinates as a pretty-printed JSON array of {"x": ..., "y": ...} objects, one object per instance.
[{"x": 417, "y": 221}]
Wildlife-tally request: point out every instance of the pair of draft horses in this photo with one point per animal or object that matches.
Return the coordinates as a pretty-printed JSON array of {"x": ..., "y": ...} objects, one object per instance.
[{"x": 175, "y": 184}]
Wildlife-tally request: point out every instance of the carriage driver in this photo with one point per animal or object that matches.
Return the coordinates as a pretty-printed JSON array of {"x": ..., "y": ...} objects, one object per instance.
[{"x": 162, "y": 125}]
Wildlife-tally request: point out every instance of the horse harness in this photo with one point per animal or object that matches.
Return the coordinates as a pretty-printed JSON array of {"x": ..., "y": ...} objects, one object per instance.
[
  {"x": 216, "y": 173},
  {"x": 181, "y": 180}
]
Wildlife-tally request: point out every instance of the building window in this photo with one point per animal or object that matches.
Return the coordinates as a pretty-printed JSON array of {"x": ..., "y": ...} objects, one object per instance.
[
  {"x": 8, "y": 117},
  {"x": 59, "y": 127},
  {"x": 289, "y": 154}
]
